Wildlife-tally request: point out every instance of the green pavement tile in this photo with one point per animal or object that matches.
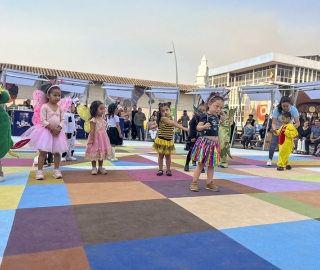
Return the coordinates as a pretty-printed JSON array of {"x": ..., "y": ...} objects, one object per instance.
[
  {"x": 298, "y": 207},
  {"x": 309, "y": 178},
  {"x": 16, "y": 169}
]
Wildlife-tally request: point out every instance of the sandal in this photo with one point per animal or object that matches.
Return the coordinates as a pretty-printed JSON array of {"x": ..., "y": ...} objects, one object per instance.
[
  {"x": 169, "y": 173},
  {"x": 160, "y": 172}
]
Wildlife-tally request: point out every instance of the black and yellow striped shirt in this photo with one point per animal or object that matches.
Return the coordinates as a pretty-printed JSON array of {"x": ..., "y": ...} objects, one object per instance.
[{"x": 165, "y": 131}]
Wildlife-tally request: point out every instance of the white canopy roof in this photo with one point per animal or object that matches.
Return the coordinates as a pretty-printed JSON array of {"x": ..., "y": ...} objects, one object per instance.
[
  {"x": 205, "y": 92},
  {"x": 312, "y": 89},
  {"x": 20, "y": 78},
  {"x": 261, "y": 92},
  {"x": 73, "y": 85},
  {"x": 118, "y": 90},
  {"x": 172, "y": 93}
]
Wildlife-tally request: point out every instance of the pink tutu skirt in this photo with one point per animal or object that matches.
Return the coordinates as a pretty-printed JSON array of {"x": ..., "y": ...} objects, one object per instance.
[
  {"x": 100, "y": 149},
  {"x": 42, "y": 139}
]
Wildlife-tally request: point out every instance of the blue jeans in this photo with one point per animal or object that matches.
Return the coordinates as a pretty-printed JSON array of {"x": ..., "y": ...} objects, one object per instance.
[
  {"x": 140, "y": 129},
  {"x": 178, "y": 136},
  {"x": 246, "y": 140},
  {"x": 273, "y": 145}
]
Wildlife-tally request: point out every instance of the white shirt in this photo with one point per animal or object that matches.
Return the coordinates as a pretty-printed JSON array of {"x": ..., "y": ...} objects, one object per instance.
[{"x": 113, "y": 120}]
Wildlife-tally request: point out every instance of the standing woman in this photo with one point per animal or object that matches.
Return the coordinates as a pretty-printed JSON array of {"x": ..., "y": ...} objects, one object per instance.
[
  {"x": 185, "y": 123},
  {"x": 283, "y": 106}
]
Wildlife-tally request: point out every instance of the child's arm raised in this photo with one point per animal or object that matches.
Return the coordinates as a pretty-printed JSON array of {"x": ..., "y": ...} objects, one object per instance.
[
  {"x": 174, "y": 124},
  {"x": 92, "y": 132}
]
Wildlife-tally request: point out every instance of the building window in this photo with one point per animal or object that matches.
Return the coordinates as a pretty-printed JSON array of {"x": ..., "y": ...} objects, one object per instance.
[{"x": 284, "y": 73}]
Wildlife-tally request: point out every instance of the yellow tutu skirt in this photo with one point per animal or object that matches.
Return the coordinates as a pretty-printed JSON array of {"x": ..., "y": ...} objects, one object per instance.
[{"x": 163, "y": 146}]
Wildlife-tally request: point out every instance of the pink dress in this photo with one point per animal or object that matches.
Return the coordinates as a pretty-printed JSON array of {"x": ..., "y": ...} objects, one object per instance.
[
  {"x": 41, "y": 138},
  {"x": 101, "y": 148}
]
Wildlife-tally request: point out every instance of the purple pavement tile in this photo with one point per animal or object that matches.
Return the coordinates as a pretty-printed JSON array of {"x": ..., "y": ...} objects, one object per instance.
[
  {"x": 251, "y": 161},
  {"x": 178, "y": 189},
  {"x": 43, "y": 229},
  {"x": 244, "y": 166},
  {"x": 151, "y": 175},
  {"x": 17, "y": 162},
  {"x": 137, "y": 159},
  {"x": 276, "y": 184}
]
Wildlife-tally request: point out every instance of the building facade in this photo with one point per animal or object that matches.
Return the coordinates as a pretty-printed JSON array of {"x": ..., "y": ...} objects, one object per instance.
[{"x": 272, "y": 68}]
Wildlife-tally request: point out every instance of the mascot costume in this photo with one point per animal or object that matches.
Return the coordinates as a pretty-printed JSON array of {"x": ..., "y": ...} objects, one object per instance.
[
  {"x": 224, "y": 135},
  {"x": 6, "y": 142}
]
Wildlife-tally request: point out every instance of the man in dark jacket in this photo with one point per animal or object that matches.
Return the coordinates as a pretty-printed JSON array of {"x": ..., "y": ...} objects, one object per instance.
[{"x": 133, "y": 126}]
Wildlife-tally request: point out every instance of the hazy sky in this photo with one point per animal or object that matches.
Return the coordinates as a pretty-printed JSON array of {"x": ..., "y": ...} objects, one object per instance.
[{"x": 131, "y": 38}]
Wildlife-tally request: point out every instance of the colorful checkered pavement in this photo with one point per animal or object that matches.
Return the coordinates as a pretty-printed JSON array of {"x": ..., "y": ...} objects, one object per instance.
[{"x": 133, "y": 219}]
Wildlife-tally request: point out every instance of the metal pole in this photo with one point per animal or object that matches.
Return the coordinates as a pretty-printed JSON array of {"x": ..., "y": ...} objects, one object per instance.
[
  {"x": 175, "y": 58},
  {"x": 270, "y": 111}
]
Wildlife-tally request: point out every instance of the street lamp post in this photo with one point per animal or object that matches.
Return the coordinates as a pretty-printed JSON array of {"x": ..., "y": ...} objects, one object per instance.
[{"x": 175, "y": 58}]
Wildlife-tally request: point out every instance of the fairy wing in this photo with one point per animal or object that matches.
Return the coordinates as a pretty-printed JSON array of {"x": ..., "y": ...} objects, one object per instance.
[
  {"x": 196, "y": 112},
  {"x": 65, "y": 103},
  {"x": 39, "y": 98},
  {"x": 85, "y": 115}
]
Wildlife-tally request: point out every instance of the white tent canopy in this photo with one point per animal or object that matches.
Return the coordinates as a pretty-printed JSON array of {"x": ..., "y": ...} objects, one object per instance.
[
  {"x": 172, "y": 93},
  {"x": 258, "y": 93},
  {"x": 118, "y": 90},
  {"x": 205, "y": 92},
  {"x": 312, "y": 90},
  {"x": 73, "y": 85},
  {"x": 20, "y": 78}
]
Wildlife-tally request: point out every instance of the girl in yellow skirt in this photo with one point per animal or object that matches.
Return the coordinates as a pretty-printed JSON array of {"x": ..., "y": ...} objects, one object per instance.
[{"x": 163, "y": 144}]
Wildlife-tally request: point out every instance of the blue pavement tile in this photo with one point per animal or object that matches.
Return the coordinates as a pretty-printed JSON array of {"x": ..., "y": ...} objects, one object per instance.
[
  {"x": 231, "y": 175},
  {"x": 205, "y": 250},
  {"x": 290, "y": 245},
  {"x": 6, "y": 221},
  {"x": 128, "y": 163},
  {"x": 265, "y": 158},
  {"x": 16, "y": 179},
  {"x": 44, "y": 196}
]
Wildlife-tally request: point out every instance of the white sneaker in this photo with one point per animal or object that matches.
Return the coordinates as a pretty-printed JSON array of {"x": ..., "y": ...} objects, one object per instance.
[
  {"x": 1, "y": 178},
  {"x": 63, "y": 159},
  {"x": 114, "y": 159},
  {"x": 71, "y": 158},
  {"x": 269, "y": 163}
]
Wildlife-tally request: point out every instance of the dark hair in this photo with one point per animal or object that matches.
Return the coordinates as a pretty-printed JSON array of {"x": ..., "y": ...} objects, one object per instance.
[
  {"x": 160, "y": 105},
  {"x": 287, "y": 115},
  {"x": 112, "y": 107},
  {"x": 251, "y": 115},
  {"x": 46, "y": 88},
  {"x": 94, "y": 107},
  {"x": 283, "y": 100},
  {"x": 154, "y": 112},
  {"x": 213, "y": 97}
]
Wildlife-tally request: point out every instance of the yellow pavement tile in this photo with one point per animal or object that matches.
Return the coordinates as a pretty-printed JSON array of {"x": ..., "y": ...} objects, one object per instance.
[
  {"x": 48, "y": 178},
  {"x": 232, "y": 211},
  {"x": 10, "y": 196},
  {"x": 272, "y": 172}
]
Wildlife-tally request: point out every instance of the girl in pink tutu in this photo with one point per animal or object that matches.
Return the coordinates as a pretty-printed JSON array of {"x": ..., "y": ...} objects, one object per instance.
[
  {"x": 46, "y": 134},
  {"x": 98, "y": 147}
]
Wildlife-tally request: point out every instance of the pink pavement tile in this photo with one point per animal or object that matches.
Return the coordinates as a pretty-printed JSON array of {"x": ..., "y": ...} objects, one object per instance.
[{"x": 151, "y": 175}]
